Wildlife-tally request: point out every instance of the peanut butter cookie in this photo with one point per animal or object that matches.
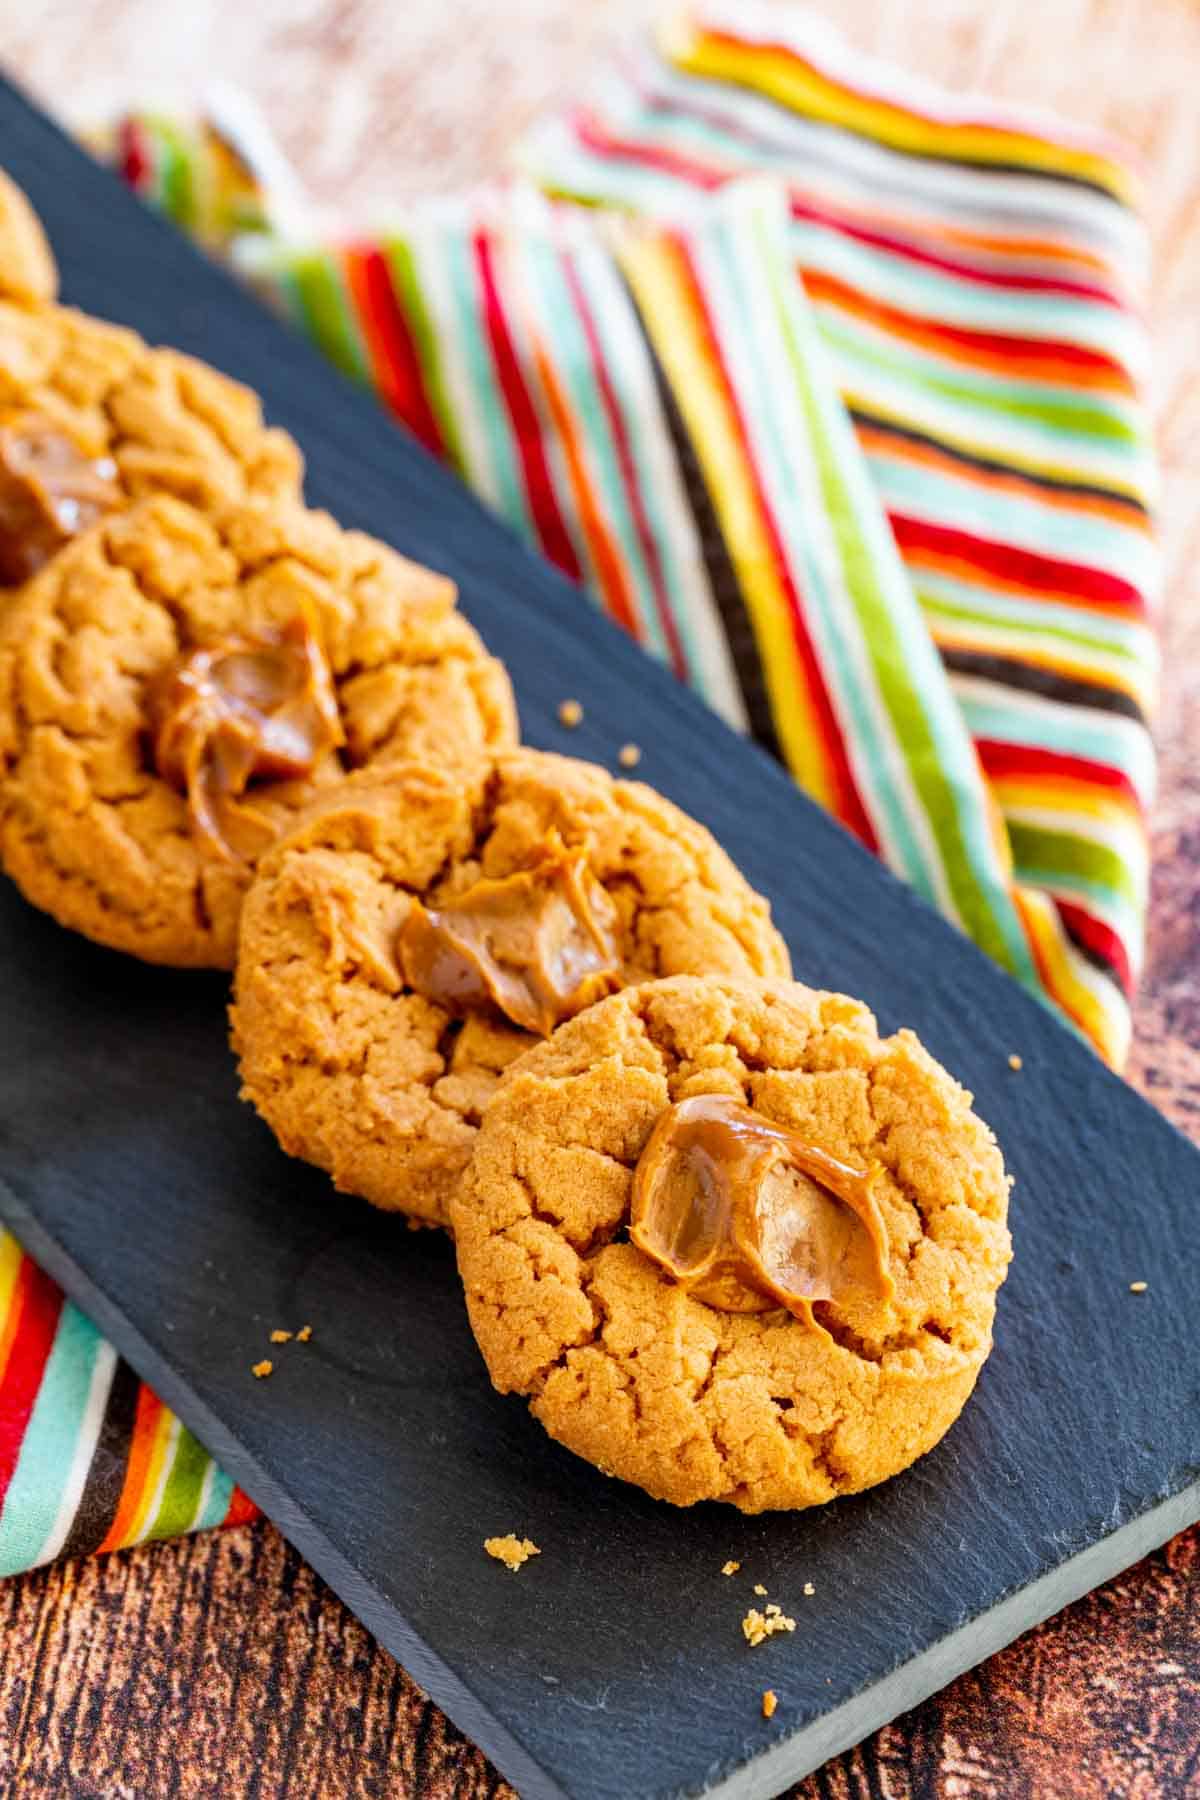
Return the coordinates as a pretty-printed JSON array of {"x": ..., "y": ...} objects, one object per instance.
[
  {"x": 176, "y": 684},
  {"x": 92, "y": 417},
  {"x": 28, "y": 272},
  {"x": 732, "y": 1243},
  {"x": 410, "y": 936}
]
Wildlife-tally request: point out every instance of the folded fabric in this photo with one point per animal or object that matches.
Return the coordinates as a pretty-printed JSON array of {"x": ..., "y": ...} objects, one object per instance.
[
  {"x": 976, "y": 273},
  {"x": 891, "y": 518}
]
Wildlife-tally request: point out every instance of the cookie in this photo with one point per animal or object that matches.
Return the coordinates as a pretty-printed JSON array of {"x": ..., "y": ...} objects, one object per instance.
[
  {"x": 91, "y": 417},
  {"x": 175, "y": 685},
  {"x": 410, "y": 937},
  {"x": 732, "y": 1243},
  {"x": 28, "y": 272}
]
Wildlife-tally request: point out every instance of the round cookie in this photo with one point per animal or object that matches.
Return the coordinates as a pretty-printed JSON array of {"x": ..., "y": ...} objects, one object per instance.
[
  {"x": 92, "y": 417},
  {"x": 103, "y": 721},
  {"x": 384, "y": 1086},
  {"x": 621, "y": 1358}
]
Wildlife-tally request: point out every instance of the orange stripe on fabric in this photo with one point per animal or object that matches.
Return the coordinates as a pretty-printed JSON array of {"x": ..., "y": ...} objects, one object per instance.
[
  {"x": 971, "y": 351},
  {"x": 12, "y": 1262},
  {"x": 901, "y": 449},
  {"x": 605, "y": 554},
  {"x": 1049, "y": 951},
  {"x": 144, "y": 1458},
  {"x": 949, "y": 635},
  {"x": 1056, "y": 794},
  {"x": 963, "y": 569},
  {"x": 789, "y": 78},
  {"x": 658, "y": 274}
]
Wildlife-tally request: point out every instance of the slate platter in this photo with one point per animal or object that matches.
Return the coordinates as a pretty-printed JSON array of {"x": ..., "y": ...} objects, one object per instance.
[{"x": 614, "y": 1665}]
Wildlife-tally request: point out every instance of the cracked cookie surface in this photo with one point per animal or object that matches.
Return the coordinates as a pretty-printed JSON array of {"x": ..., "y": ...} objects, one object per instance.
[
  {"x": 168, "y": 423},
  {"x": 89, "y": 829},
  {"x": 373, "y": 1082},
  {"x": 630, "y": 1371}
]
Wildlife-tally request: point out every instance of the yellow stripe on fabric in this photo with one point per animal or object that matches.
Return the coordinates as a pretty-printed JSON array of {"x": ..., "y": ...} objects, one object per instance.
[
  {"x": 667, "y": 310},
  {"x": 166, "y": 1430},
  {"x": 11, "y": 1254},
  {"x": 1111, "y": 806},
  {"x": 784, "y": 78},
  {"x": 1101, "y": 1016}
]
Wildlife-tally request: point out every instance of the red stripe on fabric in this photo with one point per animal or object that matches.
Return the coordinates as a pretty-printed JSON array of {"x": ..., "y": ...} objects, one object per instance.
[
  {"x": 849, "y": 809},
  {"x": 672, "y": 162},
  {"x": 1001, "y": 759},
  {"x": 1100, "y": 939},
  {"x": 949, "y": 265},
  {"x": 132, "y": 154},
  {"x": 1041, "y": 574},
  {"x": 393, "y": 349},
  {"x": 996, "y": 346},
  {"x": 629, "y": 477},
  {"x": 38, "y": 1305},
  {"x": 552, "y": 531},
  {"x": 241, "y": 1509}
]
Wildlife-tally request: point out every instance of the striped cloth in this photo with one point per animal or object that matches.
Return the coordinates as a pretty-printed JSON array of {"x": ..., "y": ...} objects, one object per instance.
[
  {"x": 976, "y": 273},
  {"x": 90, "y": 1458},
  {"x": 892, "y": 519}
]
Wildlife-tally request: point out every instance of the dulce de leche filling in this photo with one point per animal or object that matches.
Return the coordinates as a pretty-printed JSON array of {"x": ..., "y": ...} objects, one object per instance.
[
  {"x": 540, "y": 945},
  {"x": 747, "y": 1215},
  {"x": 50, "y": 490},
  {"x": 258, "y": 707}
]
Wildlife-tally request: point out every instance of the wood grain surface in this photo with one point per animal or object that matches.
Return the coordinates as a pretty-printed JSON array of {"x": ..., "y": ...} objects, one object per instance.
[{"x": 221, "y": 1665}]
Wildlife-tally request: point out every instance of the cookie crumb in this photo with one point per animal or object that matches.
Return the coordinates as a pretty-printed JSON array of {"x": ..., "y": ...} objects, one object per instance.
[
  {"x": 758, "y": 1626},
  {"x": 512, "y": 1551},
  {"x": 769, "y": 1702},
  {"x": 629, "y": 756},
  {"x": 809, "y": 1590},
  {"x": 1138, "y": 1287},
  {"x": 262, "y": 1368},
  {"x": 1015, "y": 1061},
  {"x": 759, "y": 1588},
  {"x": 281, "y": 1337},
  {"x": 570, "y": 714},
  {"x": 731, "y": 1568},
  {"x": 304, "y": 1333}
]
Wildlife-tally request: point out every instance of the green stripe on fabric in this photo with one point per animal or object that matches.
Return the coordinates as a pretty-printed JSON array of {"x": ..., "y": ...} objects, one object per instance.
[
  {"x": 940, "y": 758},
  {"x": 1056, "y": 409},
  {"x": 1058, "y": 856},
  {"x": 35, "y": 1494},
  {"x": 403, "y": 271},
  {"x": 177, "y": 176},
  {"x": 1026, "y": 624},
  {"x": 320, "y": 305},
  {"x": 763, "y": 412},
  {"x": 182, "y": 1490}
]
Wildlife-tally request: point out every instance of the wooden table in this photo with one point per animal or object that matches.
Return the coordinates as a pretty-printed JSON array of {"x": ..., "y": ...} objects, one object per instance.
[{"x": 222, "y": 1665}]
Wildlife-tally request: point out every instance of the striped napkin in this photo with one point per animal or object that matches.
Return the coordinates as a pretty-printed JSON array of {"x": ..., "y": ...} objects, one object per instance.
[{"x": 831, "y": 397}]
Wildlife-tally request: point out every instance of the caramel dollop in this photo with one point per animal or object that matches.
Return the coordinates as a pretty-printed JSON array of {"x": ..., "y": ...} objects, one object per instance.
[
  {"x": 541, "y": 944},
  {"x": 747, "y": 1215},
  {"x": 258, "y": 707},
  {"x": 50, "y": 490}
]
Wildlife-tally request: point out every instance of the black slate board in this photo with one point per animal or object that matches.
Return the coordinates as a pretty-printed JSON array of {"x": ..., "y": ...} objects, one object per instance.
[{"x": 614, "y": 1666}]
